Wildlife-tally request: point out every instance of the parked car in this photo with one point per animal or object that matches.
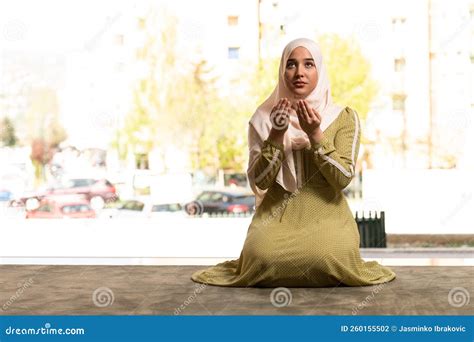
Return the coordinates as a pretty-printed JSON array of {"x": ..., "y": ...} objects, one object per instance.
[
  {"x": 5, "y": 195},
  {"x": 93, "y": 189},
  {"x": 222, "y": 201},
  {"x": 134, "y": 208},
  {"x": 65, "y": 206}
]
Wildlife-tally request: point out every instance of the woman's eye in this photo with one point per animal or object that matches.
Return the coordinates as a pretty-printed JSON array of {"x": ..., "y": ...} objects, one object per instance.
[
  {"x": 309, "y": 64},
  {"x": 290, "y": 64}
]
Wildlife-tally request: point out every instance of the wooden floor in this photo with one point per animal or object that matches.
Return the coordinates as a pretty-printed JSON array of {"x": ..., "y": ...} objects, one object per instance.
[{"x": 168, "y": 290}]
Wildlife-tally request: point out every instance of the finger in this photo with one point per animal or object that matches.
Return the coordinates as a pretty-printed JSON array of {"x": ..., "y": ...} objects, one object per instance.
[
  {"x": 317, "y": 115},
  {"x": 279, "y": 104},
  {"x": 300, "y": 117},
  {"x": 309, "y": 111},
  {"x": 304, "y": 114}
]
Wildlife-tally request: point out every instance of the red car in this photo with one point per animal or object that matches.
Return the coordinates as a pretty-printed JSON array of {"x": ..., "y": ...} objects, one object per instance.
[
  {"x": 67, "y": 206},
  {"x": 89, "y": 187}
]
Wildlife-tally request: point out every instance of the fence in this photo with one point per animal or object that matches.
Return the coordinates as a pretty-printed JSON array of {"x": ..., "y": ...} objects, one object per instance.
[{"x": 372, "y": 230}]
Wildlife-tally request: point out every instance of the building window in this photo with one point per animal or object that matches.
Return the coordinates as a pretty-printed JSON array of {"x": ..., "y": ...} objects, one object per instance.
[
  {"x": 233, "y": 52},
  {"x": 398, "y": 102},
  {"x": 141, "y": 161},
  {"x": 141, "y": 23},
  {"x": 399, "y": 64},
  {"x": 232, "y": 20},
  {"x": 119, "y": 39},
  {"x": 398, "y": 24}
]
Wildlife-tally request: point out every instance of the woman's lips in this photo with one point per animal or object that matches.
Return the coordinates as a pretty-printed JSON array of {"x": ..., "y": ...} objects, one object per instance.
[{"x": 299, "y": 84}]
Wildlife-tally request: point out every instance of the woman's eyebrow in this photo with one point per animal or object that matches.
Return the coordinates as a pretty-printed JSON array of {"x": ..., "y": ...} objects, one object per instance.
[{"x": 294, "y": 60}]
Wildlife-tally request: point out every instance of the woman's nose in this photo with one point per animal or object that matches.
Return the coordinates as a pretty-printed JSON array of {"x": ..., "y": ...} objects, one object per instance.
[{"x": 299, "y": 70}]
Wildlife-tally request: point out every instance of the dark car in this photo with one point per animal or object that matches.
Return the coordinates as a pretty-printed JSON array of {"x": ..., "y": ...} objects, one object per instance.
[
  {"x": 97, "y": 189},
  {"x": 220, "y": 202}
]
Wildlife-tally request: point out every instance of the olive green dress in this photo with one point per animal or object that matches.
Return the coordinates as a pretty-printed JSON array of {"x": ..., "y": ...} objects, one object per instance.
[{"x": 308, "y": 238}]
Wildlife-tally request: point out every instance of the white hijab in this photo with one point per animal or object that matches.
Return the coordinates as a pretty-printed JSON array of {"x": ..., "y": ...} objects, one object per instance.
[{"x": 295, "y": 138}]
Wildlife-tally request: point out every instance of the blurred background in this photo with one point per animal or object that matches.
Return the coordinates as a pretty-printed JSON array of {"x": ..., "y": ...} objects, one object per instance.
[{"x": 139, "y": 109}]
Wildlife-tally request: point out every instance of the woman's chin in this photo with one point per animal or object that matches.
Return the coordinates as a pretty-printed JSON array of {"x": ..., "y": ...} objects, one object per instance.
[{"x": 300, "y": 93}]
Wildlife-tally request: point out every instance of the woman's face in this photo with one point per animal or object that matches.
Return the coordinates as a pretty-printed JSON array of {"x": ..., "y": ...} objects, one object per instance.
[{"x": 301, "y": 75}]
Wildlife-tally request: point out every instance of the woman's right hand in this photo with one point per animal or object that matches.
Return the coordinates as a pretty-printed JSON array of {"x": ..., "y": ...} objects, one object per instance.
[{"x": 280, "y": 118}]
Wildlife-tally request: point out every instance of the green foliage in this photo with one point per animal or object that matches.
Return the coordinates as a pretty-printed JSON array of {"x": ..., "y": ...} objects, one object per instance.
[
  {"x": 7, "y": 132},
  {"x": 177, "y": 102},
  {"x": 349, "y": 74}
]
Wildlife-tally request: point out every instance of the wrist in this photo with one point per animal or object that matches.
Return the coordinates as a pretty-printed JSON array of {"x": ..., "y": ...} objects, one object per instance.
[
  {"x": 316, "y": 137},
  {"x": 276, "y": 136}
]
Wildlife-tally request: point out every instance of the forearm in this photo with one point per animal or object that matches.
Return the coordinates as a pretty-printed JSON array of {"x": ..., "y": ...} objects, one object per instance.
[
  {"x": 268, "y": 164},
  {"x": 276, "y": 136}
]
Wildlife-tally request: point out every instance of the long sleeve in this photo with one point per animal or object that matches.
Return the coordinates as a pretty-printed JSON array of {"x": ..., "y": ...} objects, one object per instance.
[
  {"x": 265, "y": 160},
  {"x": 336, "y": 161}
]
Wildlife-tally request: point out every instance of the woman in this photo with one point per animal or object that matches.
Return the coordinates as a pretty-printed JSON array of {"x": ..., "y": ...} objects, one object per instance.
[{"x": 302, "y": 154}]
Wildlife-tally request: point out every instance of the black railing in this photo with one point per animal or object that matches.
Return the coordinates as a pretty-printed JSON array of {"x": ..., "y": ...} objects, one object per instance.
[{"x": 372, "y": 230}]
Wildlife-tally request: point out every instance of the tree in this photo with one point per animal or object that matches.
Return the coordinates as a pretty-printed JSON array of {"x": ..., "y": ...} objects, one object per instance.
[
  {"x": 7, "y": 132},
  {"x": 349, "y": 73},
  {"x": 45, "y": 131},
  {"x": 146, "y": 125}
]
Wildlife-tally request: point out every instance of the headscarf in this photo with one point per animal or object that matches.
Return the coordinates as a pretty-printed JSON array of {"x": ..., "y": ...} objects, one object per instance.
[{"x": 295, "y": 138}]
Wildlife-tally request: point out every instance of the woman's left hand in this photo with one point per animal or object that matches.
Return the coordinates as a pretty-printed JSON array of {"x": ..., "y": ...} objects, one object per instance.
[{"x": 309, "y": 118}]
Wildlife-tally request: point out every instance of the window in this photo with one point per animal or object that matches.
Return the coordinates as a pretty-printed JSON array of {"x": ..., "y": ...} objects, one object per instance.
[
  {"x": 399, "y": 64},
  {"x": 398, "y": 101},
  {"x": 76, "y": 208},
  {"x": 45, "y": 208},
  {"x": 166, "y": 208},
  {"x": 233, "y": 52},
  {"x": 119, "y": 38},
  {"x": 398, "y": 24},
  {"x": 141, "y": 161},
  {"x": 141, "y": 23},
  {"x": 217, "y": 197},
  {"x": 232, "y": 20},
  {"x": 133, "y": 205},
  {"x": 205, "y": 196},
  {"x": 79, "y": 183}
]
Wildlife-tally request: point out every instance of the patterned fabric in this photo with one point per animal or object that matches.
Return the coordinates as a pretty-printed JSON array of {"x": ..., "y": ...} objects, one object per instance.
[{"x": 308, "y": 238}]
